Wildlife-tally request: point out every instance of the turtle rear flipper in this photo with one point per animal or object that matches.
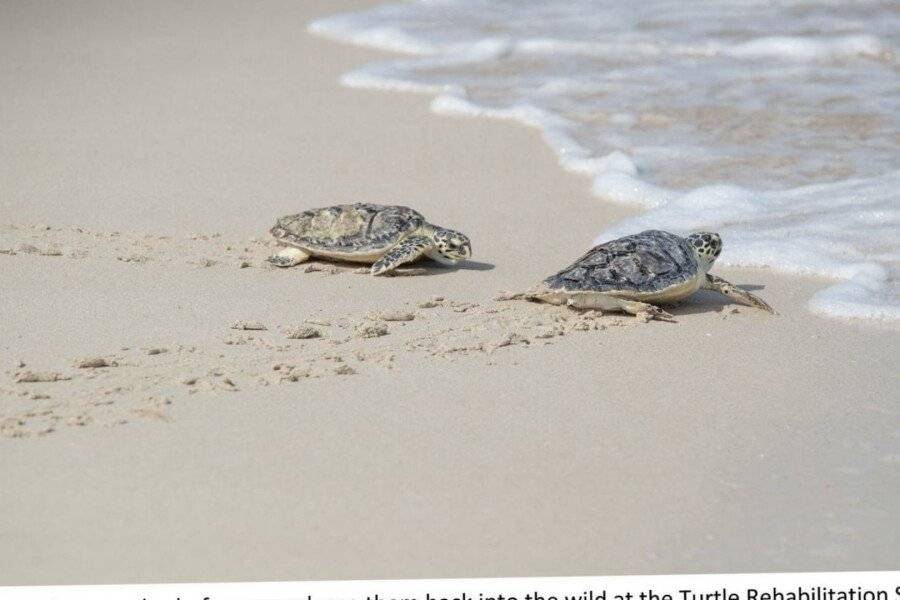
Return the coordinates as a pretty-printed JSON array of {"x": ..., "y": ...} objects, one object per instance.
[
  {"x": 600, "y": 302},
  {"x": 645, "y": 312},
  {"x": 288, "y": 257}
]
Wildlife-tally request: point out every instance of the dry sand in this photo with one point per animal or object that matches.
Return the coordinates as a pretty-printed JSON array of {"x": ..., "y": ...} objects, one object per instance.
[{"x": 173, "y": 410}]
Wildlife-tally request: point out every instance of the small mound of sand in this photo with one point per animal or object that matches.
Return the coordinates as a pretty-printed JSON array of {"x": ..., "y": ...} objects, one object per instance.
[
  {"x": 94, "y": 362},
  {"x": 303, "y": 333},
  {"x": 432, "y": 302},
  {"x": 392, "y": 315},
  {"x": 511, "y": 339},
  {"x": 370, "y": 330},
  {"x": 40, "y": 377}
]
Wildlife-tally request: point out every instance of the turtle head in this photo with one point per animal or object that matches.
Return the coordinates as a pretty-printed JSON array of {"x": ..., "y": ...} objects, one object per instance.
[
  {"x": 706, "y": 246},
  {"x": 450, "y": 246}
]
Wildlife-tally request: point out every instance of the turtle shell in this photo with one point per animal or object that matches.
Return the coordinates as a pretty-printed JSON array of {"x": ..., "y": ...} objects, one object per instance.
[
  {"x": 348, "y": 228},
  {"x": 646, "y": 262}
]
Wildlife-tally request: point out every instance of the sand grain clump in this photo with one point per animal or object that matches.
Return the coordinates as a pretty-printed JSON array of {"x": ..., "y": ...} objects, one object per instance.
[
  {"x": 344, "y": 369},
  {"x": 40, "y": 377},
  {"x": 249, "y": 326},
  {"x": 393, "y": 315},
  {"x": 370, "y": 330},
  {"x": 94, "y": 362},
  {"x": 511, "y": 339},
  {"x": 303, "y": 333}
]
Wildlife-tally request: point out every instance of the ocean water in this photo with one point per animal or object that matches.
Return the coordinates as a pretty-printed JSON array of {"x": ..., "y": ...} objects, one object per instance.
[{"x": 776, "y": 123}]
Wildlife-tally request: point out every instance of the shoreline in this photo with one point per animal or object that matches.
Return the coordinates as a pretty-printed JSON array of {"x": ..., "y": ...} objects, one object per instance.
[
  {"x": 726, "y": 442},
  {"x": 827, "y": 235}
]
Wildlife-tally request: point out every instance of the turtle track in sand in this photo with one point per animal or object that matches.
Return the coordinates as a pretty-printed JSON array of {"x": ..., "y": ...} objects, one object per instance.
[{"x": 136, "y": 380}]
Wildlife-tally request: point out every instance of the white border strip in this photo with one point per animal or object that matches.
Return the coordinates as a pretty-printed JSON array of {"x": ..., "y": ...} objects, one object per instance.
[{"x": 865, "y": 585}]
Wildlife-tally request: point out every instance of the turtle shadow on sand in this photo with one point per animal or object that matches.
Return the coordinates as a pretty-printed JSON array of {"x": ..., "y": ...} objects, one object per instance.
[
  {"x": 435, "y": 268},
  {"x": 430, "y": 268},
  {"x": 422, "y": 268},
  {"x": 706, "y": 301}
]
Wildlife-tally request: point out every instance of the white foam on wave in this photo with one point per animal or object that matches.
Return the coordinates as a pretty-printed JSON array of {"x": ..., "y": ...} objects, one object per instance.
[
  {"x": 346, "y": 28},
  {"x": 794, "y": 105},
  {"x": 400, "y": 77},
  {"x": 789, "y": 48},
  {"x": 848, "y": 231},
  {"x": 805, "y": 49}
]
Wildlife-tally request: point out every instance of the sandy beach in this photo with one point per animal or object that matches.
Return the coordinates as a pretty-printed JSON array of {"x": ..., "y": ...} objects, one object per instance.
[{"x": 162, "y": 419}]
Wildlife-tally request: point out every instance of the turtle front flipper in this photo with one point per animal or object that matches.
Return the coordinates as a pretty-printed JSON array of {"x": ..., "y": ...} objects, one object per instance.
[
  {"x": 717, "y": 284},
  {"x": 406, "y": 251},
  {"x": 288, "y": 257}
]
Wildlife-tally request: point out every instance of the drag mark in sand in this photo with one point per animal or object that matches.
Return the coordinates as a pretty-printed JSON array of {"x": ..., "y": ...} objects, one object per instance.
[
  {"x": 197, "y": 250},
  {"x": 145, "y": 383},
  {"x": 141, "y": 380}
]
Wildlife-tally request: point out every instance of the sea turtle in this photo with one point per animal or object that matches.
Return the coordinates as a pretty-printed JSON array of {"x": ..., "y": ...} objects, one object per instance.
[
  {"x": 386, "y": 236},
  {"x": 636, "y": 272}
]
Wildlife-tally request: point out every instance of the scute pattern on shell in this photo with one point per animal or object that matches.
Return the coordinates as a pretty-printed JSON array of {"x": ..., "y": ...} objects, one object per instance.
[
  {"x": 649, "y": 261},
  {"x": 348, "y": 228}
]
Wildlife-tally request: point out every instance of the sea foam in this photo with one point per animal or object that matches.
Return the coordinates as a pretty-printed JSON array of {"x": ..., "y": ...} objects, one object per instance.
[{"x": 774, "y": 123}]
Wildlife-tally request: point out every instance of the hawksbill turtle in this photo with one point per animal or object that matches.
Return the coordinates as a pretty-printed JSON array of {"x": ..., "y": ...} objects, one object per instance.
[
  {"x": 386, "y": 236},
  {"x": 636, "y": 272}
]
